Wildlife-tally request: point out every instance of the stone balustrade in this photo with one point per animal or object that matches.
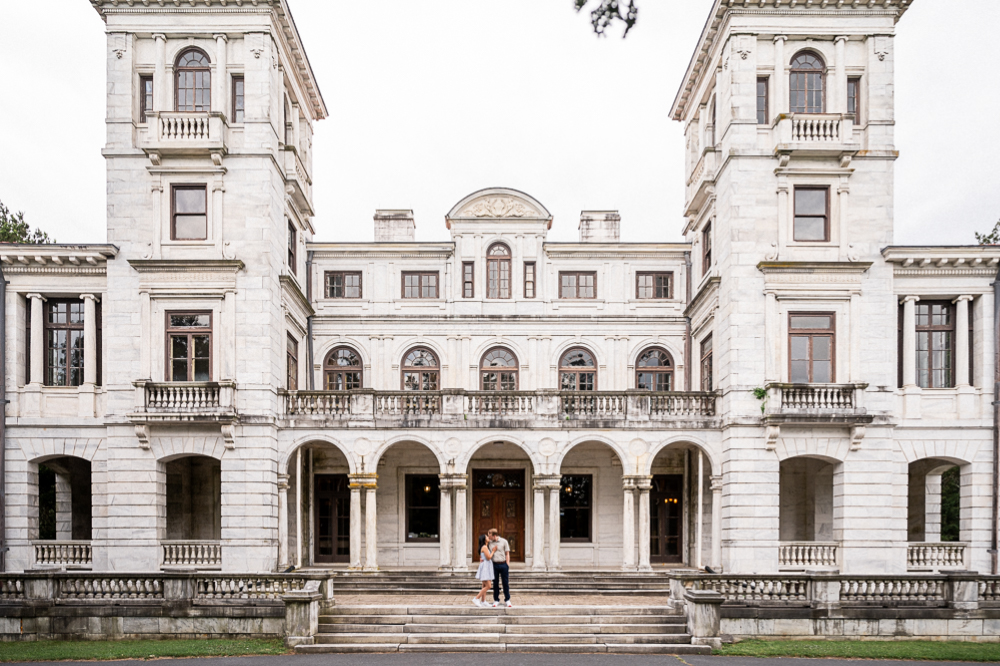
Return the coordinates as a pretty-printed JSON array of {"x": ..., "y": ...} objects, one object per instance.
[
  {"x": 801, "y": 555},
  {"x": 196, "y": 554},
  {"x": 185, "y": 401},
  {"x": 809, "y": 403},
  {"x": 815, "y": 133},
  {"x": 63, "y": 553},
  {"x": 935, "y": 556},
  {"x": 183, "y": 133},
  {"x": 470, "y": 409}
]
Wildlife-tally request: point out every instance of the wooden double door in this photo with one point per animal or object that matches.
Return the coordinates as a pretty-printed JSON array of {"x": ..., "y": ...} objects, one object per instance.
[
  {"x": 498, "y": 503},
  {"x": 332, "y": 542},
  {"x": 666, "y": 519}
]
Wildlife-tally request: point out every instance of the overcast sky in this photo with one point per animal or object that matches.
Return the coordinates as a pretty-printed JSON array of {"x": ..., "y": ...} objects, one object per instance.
[{"x": 434, "y": 99}]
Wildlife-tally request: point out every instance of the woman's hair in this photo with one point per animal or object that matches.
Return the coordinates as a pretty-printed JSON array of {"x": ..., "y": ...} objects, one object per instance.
[{"x": 482, "y": 541}]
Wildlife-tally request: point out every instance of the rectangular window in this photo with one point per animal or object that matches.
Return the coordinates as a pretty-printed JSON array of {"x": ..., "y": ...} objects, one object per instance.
[
  {"x": 343, "y": 284},
  {"x": 935, "y": 344},
  {"x": 292, "y": 235},
  {"x": 575, "y": 503},
  {"x": 420, "y": 285},
  {"x": 812, "y": 214},
  {"x": 854, "y": 96},
  {"x": 578, "y": 285},
  {"x": 811, "y": 342},
  {"x": 762, "y": 112},
  {"x": 189, "y": 346},
  {"x": 706, "y": 249},
  {"x": 64, "y": 343},
  {"x": 238, "y": 99},
  {"x": 529, "y": 279},
  {"x": 706, "y": 364},
  {"x": 654, "y": 285},
  {"x": 189, "y": 212},
  {"x": 468, "y": 279},
  {"x": 292, "y": 363},
  {"x": 145, "y": 97},
  {"x": 423, "y": 508}
]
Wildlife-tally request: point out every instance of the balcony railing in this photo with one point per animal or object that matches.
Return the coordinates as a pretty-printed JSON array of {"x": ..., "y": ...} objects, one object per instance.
[
  {"x": 816, "y": 402},
  {"x": 63, "y": 553},
  {"x": 183, "y": 133},
  {"x": 511, "y": 408},
  {"x": 801, "y": 555},
  {"x": 197, "y": 554},
  {"x": 935, "y": 556},
  {"x": 295, "y": 174},
  {"x": 815, "y": 133},
  {"x": 185, "y": 401}
]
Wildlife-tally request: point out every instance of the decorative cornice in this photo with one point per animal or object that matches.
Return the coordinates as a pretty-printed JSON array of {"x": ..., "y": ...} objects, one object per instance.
[
  {"x": 290, "y": 286},
  {"x": 615, "y": 250},
  {"x": 54, "y": 258},
  {"x": 381, "y": 250},
  {"x": 843, "y": 267},
  {"x": 186, "y": 266}
]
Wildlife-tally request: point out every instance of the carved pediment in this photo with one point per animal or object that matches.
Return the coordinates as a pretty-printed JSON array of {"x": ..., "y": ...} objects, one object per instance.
[{"x": 499, "y": 203}]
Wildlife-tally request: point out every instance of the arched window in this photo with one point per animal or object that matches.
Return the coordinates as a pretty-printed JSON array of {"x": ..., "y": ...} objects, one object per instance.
[
  {"x": 192, "y": 82},
  {"x": 498, "y": 271},
  {"x": 421, "y": 370},
  {"x": 498, "y": 370},
  {"x": 577, "y": 371},
  {"x": 654, "y": 371},
  {"x": 343, "y": 370},
  {"x": 808, "y": 74}
]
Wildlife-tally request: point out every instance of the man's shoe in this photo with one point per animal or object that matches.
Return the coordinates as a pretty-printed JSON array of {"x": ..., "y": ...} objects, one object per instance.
[
  {"x": 510, "y": 605},
  {"x": 496, "y": 604}
]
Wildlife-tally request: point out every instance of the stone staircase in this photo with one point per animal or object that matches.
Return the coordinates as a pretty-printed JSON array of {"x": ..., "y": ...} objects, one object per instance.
[
  {"x": 653, "y": 585},
  {"x": 637, "y": 629}
]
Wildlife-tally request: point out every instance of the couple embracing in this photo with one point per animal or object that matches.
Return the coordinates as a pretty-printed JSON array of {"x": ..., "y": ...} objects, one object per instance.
[{"x": 494, "y": 561}]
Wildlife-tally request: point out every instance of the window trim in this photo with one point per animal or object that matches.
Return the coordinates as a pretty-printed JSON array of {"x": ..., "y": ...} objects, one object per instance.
[
  {"x": 329, "y": 369},
  {"x": 291, "y": 362},
  {"x": 169, "y": 330},
  {"x": 827, "y": 224},
  {"x": 326, "y": 285},
  {"x": 516, "y": 370},
  {"x": 706, "y": 248},
  {"x": 563, "y": 482},
  {"x": 293, "y": 244},
  {"x": 407, "y": 486},
  {"x": 173, "y": 210},
  {"x": 500, "y": 261},
  {"x": 655, "y": 274},
  {"x": 424, "y": 368},
  {"x": 420, "y": 286},
  {"x": 930, "y": 328},
  {"x": 177, "y": 72},
  {"x": 577, "y": 297},
  {"x": 856, "y": 80},
  {"x": 792, "y": 71},
  {"x": 814, "y": 332},
  {"x": 706, "y": 358},
  {"x": 143, "y": 110},
  {"x": 566, "y": 369},
  {"x": 48, "y": 327},
  {"x": 766, "y": 80},
  {"x": 238, "y": 78},
  {"x": 468, "y": 279},
  {"x": 655, "y": 369},
  {"x": 533, "y": 281}
]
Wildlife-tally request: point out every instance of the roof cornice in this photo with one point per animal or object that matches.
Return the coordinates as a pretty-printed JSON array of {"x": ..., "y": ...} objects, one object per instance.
[{"x": 721, "y": 9}]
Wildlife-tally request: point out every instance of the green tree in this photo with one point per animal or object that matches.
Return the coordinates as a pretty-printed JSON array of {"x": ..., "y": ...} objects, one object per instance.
[
  {"x": 992, "y": 238},
  {"x": 609, "y": 12},
  {"x": 13, "y": 229},
  {"x": 951, "y": 504}
]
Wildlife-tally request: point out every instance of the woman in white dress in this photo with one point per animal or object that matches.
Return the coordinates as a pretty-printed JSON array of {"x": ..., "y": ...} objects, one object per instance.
[{"x": 485, "y": 572}]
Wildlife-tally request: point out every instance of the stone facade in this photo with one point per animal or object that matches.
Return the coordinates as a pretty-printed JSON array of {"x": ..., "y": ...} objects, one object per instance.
[{"x": 240, "y": 397}]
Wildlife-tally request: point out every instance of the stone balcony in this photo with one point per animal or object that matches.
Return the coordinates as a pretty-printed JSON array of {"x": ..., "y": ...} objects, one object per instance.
[
  {"x": 170, "y": 133},
  {"x": 701, "y": 182},
  {"x": 63, "y": 554},
  {"x": 815, "y": 135},
  {"x": 458, "y": 408},
  {"x": 184, "y": 402},
  {"x": 936, "y": 556},
  {"x": 816, "y": 403},
  {"x": 808, "y": 555},
  {"x": 298, "y": 182}
]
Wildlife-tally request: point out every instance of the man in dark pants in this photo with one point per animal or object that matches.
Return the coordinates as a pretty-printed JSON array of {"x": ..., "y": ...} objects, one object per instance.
[{"x": 501, "y": 568}]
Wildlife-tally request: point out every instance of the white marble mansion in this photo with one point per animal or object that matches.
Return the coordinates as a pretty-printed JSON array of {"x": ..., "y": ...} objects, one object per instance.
[{"x": 213, "y": 388}]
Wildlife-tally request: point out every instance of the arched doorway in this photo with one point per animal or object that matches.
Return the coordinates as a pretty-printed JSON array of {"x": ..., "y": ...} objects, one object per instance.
[
  {"x": 500, "y": 476},
  {"x": 935, "y": 509},
  {"x": 684, "y": 498},
  {"x": 592, "y": 490},
  {"x": 317, "y": 507},
  {"x": 64, "y": 529},
  {"x": 193, "y": 526}
]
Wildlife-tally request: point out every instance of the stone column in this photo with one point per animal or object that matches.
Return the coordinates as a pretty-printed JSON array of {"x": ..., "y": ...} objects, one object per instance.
[
  {"x": 644, "y": 484},
  {"x": 445, "y": 536},
  {"x": 778, "y": 96},
  {"x": 771, "y": 326},
  {"x": 699, "y": 511},
  {"x": 910, "y": 341},
  {"x": 282, "y": 521},
  {"x": 962, "y": 341},
  {"x": 554, "y": 528},
  {"x": 371, "y": 529},
  {"x": 717, "y": 522},
  {"x": 355, "y": 487},
  {"x": 160, "y": 74},
  {"x": 221, "y": 77},
  {"x": 838, "y": 100},
  {"x": 538, "y": 529},
  {"x": 461, "y": 537},
  {"x": 298, "y": 508},
  {"x": 628, "y": 526},
  {"x": 37, "y": 340},
  {"x": 89, "y": 339}
]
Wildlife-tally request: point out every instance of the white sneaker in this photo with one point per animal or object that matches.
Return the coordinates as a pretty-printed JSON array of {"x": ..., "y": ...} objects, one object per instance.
[
  {"x": 477, "y": 602},
  {"x": 496, "y": 604},
  {"x": 510, "y": 605}
]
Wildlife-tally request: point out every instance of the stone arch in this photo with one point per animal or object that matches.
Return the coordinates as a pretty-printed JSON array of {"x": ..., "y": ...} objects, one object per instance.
[
  {"x": 499, "y": 341},
  {"x": 286, "y": 457},
  {"x": 591, "y": 346},
  {"x": 648, "y": 342},
  {"x": 807, "y": 502},
  {"x": 499, "y": 203},
  {"x": 958, "y": 451},
  {"x": 620, "y": 452},
  {"x": 167, "y": 449},
  {"x": 462, "y": 463},
  {"x": 830, "y": 449},
  {"x": 400, "y": 351},
  {"x": 683, "y": 440},
  {"x": 330, "y": 344},
  {"x": 40, "y": 449},
  {"x": 382, "y": 448}
]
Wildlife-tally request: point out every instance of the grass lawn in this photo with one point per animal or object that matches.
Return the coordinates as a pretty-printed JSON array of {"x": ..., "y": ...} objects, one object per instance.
[
  {"x": 56, "y": 650},
  {"x": 930, "y": 650}
]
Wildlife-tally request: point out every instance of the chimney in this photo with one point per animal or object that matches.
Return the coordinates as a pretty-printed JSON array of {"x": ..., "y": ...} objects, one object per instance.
[
  {"x": 600, "y": 226},
  {"x": 394, "y": 226}
]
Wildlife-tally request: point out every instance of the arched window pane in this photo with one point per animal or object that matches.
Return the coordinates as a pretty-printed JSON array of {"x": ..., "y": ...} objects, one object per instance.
[
  {"x": 654, "y": 371},
  {"x": 498, "y": 271},
  {"x": 193, "y": 82},
  {"x": 577, "y": 358},
  {"x": 420, "y": 371},
  {"x": 576, "y": 371},
  {"x": 499, "y": 371},
  {"x": 343, "y": 370},
  {"x": 806, "y": 88}
]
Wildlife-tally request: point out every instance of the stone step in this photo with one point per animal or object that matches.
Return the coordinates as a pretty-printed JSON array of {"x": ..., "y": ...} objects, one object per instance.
[
  {"x": 495, "y": 638},
  {"x": 620, "y": 648},
  {"x": 461, "y": 618},
  {"x": 471, "y": 611},
  {"x": 483, "y": 627}
]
